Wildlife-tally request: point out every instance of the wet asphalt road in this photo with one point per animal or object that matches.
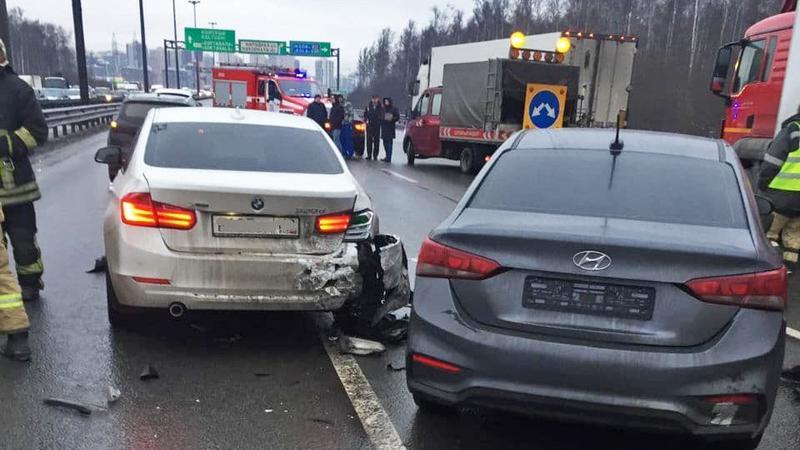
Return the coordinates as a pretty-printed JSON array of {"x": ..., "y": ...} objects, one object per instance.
[{"x": 245, "y": 380}]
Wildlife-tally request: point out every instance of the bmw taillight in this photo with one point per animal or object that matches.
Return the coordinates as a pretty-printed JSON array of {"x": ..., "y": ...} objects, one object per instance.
[
  {"x": 139, "y": 209},
  {"x": 762, "y": 290},
  {"x": 440, "y": 261},
  {"x": 333, "y": 223}
]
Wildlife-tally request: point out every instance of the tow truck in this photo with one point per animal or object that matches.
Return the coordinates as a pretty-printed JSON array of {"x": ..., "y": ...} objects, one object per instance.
[
  {"x": 474, "y": 94},
  {"x": 249, "y": 87}
]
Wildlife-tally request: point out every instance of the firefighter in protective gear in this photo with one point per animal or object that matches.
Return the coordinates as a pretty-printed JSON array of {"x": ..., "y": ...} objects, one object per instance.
[
  {"x": 13, "y": 319},
  {"x": 22, "y": 129},
  {"x": 780, "y": 180}
]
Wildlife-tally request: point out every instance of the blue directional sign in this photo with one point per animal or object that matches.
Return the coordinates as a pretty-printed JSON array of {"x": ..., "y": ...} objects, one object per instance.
[
  {"x": 544, "y": 106},
  {"x": 307, "y": 48}
]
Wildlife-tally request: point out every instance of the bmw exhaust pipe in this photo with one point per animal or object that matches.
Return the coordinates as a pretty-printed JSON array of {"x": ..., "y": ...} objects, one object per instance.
[{"x": 177, "y": 310}]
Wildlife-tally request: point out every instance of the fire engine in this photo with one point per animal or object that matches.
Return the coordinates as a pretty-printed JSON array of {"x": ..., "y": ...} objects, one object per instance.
[{"x": 289, "y": 90}]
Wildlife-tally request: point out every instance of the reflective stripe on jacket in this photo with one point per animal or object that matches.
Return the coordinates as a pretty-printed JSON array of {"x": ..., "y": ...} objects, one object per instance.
[{"x": 788, "y": 177}]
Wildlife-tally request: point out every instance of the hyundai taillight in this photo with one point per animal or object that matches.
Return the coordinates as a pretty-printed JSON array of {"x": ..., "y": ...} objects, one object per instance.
[
  {"x": 762, "y": 290},
  {"x": 333, "y": 223},
  {"x": 440, "y": 261},
  {"x": 139, "y": 209}
]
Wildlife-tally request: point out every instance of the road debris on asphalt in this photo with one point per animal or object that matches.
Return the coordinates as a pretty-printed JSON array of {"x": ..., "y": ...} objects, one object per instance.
[
  {"x": 358, "y": 346},
  {"x": 390, "y": 367},
  {"x": 112, "y": 394},
  {"x": 791, "y": 375},
  {"x": 100, "y": 265},
  {"x": 262, "y": 374},
  {"x": 148, "y": 373},
  {"x": 82, "y": 408}
]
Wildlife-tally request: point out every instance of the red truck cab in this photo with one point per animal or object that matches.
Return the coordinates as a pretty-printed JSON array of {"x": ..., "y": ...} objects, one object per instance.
[
  {"x": 749, "y": 75},
  {"x": 422, "y": 129}
]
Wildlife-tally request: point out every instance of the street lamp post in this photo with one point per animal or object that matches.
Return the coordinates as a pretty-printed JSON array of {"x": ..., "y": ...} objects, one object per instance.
[
  {"x": 146, "y": 69},
  {"x": 196, "y": 60},
  {"x": 80, "y": 50},
  {"x": 177, "y": 62},
  {"x": 213, "y": 54}
]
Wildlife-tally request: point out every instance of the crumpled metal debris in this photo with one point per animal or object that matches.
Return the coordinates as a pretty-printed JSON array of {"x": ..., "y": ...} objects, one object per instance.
[
  {"x": 148, "y": 373},
  {"x": 100, "y": 265},
  {"x": 358, "y": 346},
  {"x": 82, "y": 408},
  {"x": 791, "y": 376},
  {"x": 392, "y": 368}
]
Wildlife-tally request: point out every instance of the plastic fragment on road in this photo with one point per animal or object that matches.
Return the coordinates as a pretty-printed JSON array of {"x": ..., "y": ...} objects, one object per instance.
[
  {"x": 148, "y": 373},
  {"x": 358, "y": 346},
  {"x": 390, "y": 367},
  {"x": 792, "y": 375},
  {"x": 100, "y": 265},
  {"x": 84, "y": 409},
  {"x": 112, "y": 394}
]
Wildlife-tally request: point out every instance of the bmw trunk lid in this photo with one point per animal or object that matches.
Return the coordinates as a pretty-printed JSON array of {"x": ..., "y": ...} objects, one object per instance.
[{"x": 252, "y": 212}]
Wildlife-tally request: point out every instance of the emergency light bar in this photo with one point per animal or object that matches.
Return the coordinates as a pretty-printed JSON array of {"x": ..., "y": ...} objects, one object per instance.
[
  {"x": 599, "y": 36},
  {"x": 527, "y": 54}
]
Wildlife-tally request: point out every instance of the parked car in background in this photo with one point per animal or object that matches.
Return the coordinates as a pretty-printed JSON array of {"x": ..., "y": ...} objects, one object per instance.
[
  {"x": 128, "y": 121},
  {"x": 634, "y": 288},
  {"x": 182, "y": 93},
  {"x": 212, "y": 213},
  {"x": 53, "y": 94}
]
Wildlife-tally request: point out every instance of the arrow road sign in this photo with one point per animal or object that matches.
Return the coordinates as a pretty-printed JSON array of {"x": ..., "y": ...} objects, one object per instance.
[
  {"x": 210, "y": 40},
  {"x": 544, "y": 106},
  {"x": 262, "y": 47}
]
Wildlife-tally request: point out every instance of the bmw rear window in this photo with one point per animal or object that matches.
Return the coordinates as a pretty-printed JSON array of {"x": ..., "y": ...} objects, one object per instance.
[
  {"x": 136, "y": 112},
  {"x": 644, "y": 187},
  {"x": 240, "y": 147}
]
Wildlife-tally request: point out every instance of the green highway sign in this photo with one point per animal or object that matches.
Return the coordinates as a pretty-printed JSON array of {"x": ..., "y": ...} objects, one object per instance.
[
  {"x": 210, "y": 40},
  {"x": 306, "y": 48},
  {"x": 262, "y": 47}
]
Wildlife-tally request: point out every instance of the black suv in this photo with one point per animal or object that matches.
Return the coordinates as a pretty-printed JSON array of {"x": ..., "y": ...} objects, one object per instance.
[{"x": 128, "y": 121}]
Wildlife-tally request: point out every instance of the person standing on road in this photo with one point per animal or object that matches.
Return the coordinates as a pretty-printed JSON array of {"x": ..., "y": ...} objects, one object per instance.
[
  {"x": 22, "y": 129},
  {"x": 780, "y": 180},
  {"x": 373, "y": 116},
  {"x": 337, "y": 119},
  {"x": 317, "y": 112},
  {"x": 390, "y": 117},
  {"x": 13, "y": 318}
]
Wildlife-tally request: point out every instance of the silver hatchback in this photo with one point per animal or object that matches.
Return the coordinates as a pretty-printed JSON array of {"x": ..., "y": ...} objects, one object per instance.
[{"x": 633, "y": 288}]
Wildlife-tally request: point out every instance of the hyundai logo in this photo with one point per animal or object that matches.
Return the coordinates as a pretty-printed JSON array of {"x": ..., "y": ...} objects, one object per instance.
[
  {"x": 257, "y": 204},
  {"x": 591, "y": 260}
]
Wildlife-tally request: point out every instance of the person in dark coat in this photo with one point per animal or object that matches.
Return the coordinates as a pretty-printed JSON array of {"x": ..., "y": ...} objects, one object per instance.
[
  {"x": 779, "y": 179},
  {"x": 373, "y": 115},
  {"x": 317, "y": 112},
  {"x": 337, "y": 119},
  {"x": 390, "y": 117}
]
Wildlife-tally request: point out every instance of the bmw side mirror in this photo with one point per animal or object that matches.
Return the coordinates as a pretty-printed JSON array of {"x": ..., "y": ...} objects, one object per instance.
[
  {"x": 109, "y": 155},
  {"x": 765, "y": 206}
]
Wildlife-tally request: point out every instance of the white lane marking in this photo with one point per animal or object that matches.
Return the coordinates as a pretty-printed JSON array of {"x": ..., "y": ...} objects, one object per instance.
[
  {"x": 793, "y": 333},
  {"x": 402, "y": 177},
  {"x": 373, "y": 417}
]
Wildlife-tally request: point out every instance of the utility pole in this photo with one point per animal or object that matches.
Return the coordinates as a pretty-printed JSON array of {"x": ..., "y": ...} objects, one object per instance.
[
  {"x": 177, "y": 61},
  {"x": 213, "y": 54},
  {"x": 80, "y": 50},
  {"x": 335, "y": 52},
  {"x": 196, "y": 60},
  {"x": 146, "y": 69},
  {"x": 5, "y": 32}
]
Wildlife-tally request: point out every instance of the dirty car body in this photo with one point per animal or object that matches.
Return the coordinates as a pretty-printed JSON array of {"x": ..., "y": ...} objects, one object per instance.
[
  {"x": 636, "y": 290},
  {"x": 235, "y": 210}
]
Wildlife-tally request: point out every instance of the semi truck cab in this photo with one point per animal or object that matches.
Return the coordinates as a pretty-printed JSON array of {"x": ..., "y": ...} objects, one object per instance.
[{"x": 749, "y": 74}]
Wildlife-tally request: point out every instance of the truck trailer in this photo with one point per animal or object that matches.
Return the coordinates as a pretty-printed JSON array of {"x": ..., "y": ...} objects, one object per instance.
[{"x": 481, "y": 102}]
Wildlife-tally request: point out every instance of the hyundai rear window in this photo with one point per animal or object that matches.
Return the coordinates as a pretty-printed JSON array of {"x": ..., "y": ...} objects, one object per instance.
[
  {"x": 240, "y": 147},
  {"x": 136, "y": 112},
  {"x": 644, "y": 187}
]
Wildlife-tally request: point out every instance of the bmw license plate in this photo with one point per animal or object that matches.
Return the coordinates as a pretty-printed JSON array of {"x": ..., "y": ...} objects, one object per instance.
[
  {"x": 626, "y": 302},
  {"x": 256, "y": 226}
]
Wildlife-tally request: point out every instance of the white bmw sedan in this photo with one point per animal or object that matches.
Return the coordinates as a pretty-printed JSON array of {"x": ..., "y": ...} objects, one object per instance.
[{"x": 232, "y": 209}]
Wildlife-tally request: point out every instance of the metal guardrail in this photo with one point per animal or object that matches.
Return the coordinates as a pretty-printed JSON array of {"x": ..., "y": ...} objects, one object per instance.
[{"x": 77, "y": 118}]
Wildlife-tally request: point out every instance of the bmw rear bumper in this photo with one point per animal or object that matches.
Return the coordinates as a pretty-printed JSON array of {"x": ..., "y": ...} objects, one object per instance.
[{"x": 649, "y": 388}]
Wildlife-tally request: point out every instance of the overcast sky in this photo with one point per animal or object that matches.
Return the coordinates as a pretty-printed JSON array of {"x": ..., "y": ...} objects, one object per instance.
[{"x": 348, "y": 24}]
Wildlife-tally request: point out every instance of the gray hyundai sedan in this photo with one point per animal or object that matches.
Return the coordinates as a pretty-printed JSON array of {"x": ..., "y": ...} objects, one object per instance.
[{"x": 579, "y": 281}]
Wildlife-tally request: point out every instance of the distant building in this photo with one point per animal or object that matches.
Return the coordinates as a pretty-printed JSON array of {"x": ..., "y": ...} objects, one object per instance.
[{"x": 325, "y": 73}]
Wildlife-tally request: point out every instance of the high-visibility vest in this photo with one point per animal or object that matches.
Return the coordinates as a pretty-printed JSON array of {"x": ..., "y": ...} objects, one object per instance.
[{"x": 788, "y": 179}]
